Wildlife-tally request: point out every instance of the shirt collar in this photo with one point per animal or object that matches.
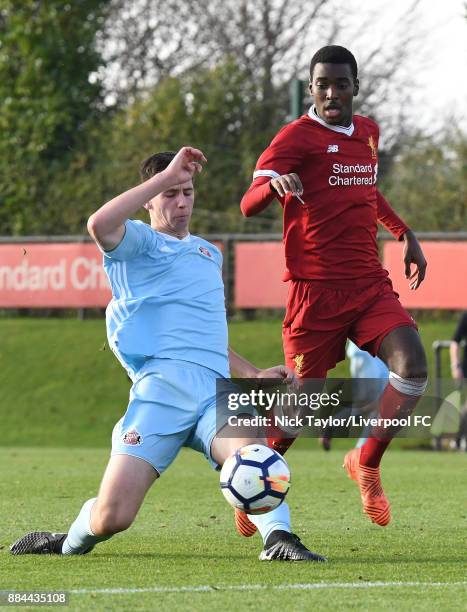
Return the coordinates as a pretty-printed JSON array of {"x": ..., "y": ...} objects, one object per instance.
[
  {"x": 342, "y": 129},
  {"x": 171, "y": 238},
  {"x": 186, "y": 238}
]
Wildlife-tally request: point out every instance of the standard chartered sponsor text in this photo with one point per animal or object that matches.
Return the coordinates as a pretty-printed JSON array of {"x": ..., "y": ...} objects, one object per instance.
[
  {"x": 340, "y": 177},
  {"x": 81, "y": 273}
]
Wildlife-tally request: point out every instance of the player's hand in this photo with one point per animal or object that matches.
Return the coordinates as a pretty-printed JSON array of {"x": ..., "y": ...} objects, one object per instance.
[
  {"x": 413, "y": 254},
  {"x": 282, "y": 372},
  {"x": 287, "y": 183},
  {"x": 185, "y": 165}
]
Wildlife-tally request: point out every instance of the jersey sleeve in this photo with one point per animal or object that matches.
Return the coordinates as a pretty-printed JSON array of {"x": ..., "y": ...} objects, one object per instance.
[
  {"x": 283, "y": 156},
  {"x": 461, "y": 330},
  {"x": 217, "y": 254},
  {"x": 388, "y": 218},
  {"x": 219, "y": 257},
  {"x": 138, "y": 238}
]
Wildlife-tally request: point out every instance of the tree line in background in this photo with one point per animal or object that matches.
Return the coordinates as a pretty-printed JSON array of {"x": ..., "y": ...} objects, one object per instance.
[{"x": 89, "y": 89}]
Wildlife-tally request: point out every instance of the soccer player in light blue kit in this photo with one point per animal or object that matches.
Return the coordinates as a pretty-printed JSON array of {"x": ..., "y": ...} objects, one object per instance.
[{"x": 166, "y": 324}]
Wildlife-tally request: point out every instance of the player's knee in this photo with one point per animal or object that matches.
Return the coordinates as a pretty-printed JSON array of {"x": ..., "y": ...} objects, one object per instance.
[
  {"x": 411, "y": 368},
  {"x": 411, "y": 364},
  {"x": 409, "y": 376},
  {"x": 110, "y": 520}
]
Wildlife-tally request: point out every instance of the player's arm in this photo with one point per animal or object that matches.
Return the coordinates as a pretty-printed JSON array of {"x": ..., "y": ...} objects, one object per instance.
[
  {"x": 275, "y": 173},
  {"x": 388, "y": 217},
  {"x": 413, "y": 253},
  {"x": 455, "y": 354},
  {"x": 242, "y": 368},
  {"x": 107, "y": 224},
  {"x": 264, "y": 190},
  {"x": 455, "y": 350}
]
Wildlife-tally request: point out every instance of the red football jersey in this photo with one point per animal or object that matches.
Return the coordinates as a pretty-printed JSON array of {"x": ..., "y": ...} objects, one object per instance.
[{"x": 332, "y": 236}]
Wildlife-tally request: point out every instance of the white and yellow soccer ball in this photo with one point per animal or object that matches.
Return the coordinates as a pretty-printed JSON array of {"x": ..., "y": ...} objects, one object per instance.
[{"x": 255, "y": 479}]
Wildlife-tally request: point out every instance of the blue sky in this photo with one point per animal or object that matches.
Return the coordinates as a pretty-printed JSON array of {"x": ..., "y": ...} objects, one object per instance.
[{"x": 441, "y": 91}]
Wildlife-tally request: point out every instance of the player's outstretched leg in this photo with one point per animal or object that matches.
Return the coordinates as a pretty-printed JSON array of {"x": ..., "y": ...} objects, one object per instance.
[
  {"x": 368, "y": 479},
  {"x": 280, "y": 544},
  {"x": 121, "y": 494},
  {"x": 39, "y": 543},
  {"x": 46, "y": 543},
  {"x": 286, "y": 546}
]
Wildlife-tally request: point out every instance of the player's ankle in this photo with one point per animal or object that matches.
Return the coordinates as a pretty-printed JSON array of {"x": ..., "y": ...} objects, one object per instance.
[{"x": 275, "y": 536}]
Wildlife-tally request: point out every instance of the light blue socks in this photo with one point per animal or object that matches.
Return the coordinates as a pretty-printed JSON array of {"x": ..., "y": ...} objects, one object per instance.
[
  {"x": 271, "y": 521},
  {"x": 80, "y": 538}
]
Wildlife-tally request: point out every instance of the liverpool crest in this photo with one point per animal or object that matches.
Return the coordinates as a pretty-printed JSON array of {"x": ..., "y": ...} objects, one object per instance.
[
  {"x": 373, "y": 147},
  {"x": 298, "y": 360}
]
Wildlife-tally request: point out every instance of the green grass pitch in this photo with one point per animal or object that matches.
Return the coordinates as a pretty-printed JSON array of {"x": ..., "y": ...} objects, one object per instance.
[{"x": 182, "y": 553}]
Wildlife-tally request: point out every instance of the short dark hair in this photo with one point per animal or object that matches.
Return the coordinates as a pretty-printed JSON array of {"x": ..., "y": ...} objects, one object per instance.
[
  {"x": 334, "y": 54},
  {"x": 155, "y": 164}
]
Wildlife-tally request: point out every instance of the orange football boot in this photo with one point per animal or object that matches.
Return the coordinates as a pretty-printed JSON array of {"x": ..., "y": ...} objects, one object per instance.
[
  {"x": 243, "y": 524},
  {"x": 374, "y": 501}
]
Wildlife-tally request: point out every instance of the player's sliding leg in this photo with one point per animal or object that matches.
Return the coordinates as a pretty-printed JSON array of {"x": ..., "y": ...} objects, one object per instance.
[
  {"x": 403, "y": 353},
  {"x": 124, "y": 485},
  {"x": 279, "y": 541},
  {"x": 122, "y": 491},
  {"x": 274, "y": 526},
  {"x": 139, "y": 455}
]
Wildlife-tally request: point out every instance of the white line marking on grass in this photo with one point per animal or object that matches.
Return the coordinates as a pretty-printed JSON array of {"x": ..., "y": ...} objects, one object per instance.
[{"x": 260, "y": 587}]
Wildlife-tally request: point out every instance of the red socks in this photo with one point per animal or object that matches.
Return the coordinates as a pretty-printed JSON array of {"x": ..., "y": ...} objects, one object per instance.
[{"x": 395, "y": 403}]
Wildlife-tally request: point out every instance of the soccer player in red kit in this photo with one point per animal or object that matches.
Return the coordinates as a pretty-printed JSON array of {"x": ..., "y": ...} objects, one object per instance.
[{"x": 323, "y": 169}]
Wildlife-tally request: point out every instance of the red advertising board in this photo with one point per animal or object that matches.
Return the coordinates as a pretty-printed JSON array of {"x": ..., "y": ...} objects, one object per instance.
[
  {"x": 445, "y": 285},
  {"x": 52, "y": 276},
  {"x": 259, "y": 267},
  {"x": 70, "y": 275}
]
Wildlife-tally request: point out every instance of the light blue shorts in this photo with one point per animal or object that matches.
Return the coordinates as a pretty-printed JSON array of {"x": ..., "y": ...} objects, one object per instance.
[
  {"x": 375, "y": 373},
  {"x": 172, "y": 404}
]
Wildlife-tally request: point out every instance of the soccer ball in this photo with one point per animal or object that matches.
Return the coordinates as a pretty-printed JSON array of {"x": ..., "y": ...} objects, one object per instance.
[{"x": 255, "y": 479}]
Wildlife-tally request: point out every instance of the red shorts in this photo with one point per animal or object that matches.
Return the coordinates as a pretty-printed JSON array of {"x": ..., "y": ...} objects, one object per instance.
[{"x": 319, "y": 319}]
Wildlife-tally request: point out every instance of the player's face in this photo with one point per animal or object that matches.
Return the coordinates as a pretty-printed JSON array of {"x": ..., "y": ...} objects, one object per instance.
[
  {"x": 172, "y": 209},
  {"x": 333, "y": 89}
]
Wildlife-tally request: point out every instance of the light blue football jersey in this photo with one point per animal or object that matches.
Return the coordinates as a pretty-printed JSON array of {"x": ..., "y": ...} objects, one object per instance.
[{"x": 167, "y": 300}]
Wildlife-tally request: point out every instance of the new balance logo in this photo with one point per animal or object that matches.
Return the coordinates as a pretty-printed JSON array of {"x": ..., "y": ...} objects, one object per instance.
[{"x": 333, "y": 148}]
